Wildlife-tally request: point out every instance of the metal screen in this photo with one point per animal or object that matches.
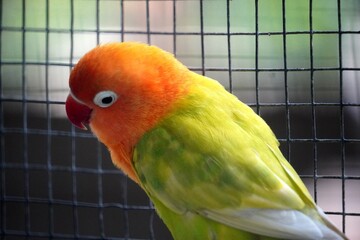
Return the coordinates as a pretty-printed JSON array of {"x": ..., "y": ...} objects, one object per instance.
[{"x": 296, "y": 63}]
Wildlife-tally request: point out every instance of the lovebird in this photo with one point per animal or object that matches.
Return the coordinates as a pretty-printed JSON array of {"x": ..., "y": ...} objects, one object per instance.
[{"x": 211, "y": 166}]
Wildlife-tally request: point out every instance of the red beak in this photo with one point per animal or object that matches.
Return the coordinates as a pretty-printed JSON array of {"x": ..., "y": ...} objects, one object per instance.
[{"x": 78, "y": 113}]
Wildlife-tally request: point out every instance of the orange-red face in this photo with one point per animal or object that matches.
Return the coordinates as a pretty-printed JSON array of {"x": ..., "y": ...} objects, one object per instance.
[
  {"x": 123, "y": 89},
  {"x": 95, "y": 85}
]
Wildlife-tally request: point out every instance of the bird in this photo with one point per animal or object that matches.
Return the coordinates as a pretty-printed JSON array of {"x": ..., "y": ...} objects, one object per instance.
[{"x": 211, "y": 166}]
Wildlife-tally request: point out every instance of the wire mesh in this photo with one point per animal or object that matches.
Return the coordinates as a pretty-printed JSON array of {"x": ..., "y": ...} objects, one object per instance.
[{"x": 295, "y": 62}]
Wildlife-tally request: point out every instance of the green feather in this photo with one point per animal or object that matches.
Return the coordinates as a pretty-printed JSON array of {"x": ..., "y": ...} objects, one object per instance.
[{"x": 213, "y": 155}]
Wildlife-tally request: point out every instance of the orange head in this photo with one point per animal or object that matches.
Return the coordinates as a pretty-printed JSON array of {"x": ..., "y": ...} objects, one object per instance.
[{"x": 122, "y": 90}]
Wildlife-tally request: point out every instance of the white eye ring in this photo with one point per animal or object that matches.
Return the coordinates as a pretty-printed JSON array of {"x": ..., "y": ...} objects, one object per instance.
[{"x": 105, "y": 99}]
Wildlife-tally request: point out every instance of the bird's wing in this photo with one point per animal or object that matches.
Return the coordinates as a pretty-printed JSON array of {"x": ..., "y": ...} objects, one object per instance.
[
  {"x": 251, "y": 197},
  {"x": 216, "y": 164}
]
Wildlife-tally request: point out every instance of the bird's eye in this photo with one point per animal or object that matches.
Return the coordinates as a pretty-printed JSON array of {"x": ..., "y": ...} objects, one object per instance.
[{"x": 105, "y": 98}]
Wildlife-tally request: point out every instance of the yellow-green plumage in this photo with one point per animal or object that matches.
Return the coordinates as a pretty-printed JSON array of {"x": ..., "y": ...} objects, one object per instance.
[{"x": 212, "y": 154}]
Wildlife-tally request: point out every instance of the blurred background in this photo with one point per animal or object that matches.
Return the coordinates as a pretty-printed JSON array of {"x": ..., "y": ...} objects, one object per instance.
[{"x": 296, "y": 63}]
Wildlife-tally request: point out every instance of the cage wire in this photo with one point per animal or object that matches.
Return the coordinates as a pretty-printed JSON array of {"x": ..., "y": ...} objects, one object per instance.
[{"x": 296, "y": 63}]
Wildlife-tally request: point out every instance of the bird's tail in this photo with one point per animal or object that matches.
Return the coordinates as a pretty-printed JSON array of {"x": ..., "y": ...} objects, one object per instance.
[{"x": 331, "y": 226}]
